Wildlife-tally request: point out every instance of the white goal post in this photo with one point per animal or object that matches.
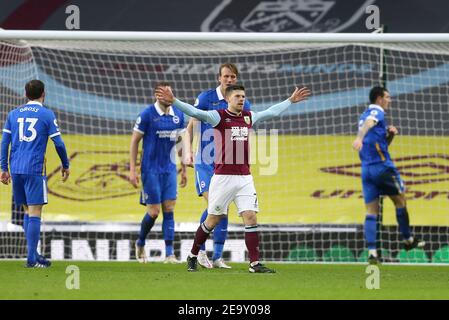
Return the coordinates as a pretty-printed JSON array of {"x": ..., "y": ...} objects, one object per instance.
[{"x": 311, "y": 207}]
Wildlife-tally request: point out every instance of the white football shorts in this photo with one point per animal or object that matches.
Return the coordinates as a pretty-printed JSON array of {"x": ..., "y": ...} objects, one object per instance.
[{"x": 224, "y": 189}]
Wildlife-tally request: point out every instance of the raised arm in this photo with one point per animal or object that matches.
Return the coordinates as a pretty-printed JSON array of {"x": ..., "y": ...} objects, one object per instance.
[
  {"x": 165, "y": 94},
  {"x": 274, "y": 111}
]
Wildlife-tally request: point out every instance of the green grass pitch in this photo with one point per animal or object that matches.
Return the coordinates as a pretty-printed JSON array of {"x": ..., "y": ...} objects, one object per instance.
[{"x": 130, "y": 280}]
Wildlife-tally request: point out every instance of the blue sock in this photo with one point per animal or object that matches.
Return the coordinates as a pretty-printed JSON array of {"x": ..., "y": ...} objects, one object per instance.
[
  {"x": 370, "y": 231},
  {"x": 26, "y": 218},
  {"x": 203, "y": 218},
  {"x": 33, "y": 235},
  {"x": 220, "y": 234},
  {"x": 145, "y": 227},
  {"x": 168, "y": 231},
  {"x": 403, "y": 221}
]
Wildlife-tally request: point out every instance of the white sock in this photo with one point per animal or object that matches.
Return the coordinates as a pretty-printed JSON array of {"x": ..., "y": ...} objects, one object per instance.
[
  {"x": 254, "y": 263},
  {"x": 409, "y": 240}
]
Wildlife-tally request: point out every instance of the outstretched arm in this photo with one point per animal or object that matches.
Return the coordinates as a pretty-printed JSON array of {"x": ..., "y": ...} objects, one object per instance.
[
  {"x": 166, "y": 95},
  {"x": 274, "y": 111}
]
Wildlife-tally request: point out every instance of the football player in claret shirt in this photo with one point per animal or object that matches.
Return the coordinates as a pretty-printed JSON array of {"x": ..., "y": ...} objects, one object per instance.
[
  {"x": 27, "y": 129},
  {"x": 379, "y": 174},
  {"x": 232, "y": 180},
  {"x": 160, "y": 126},
  {"x": 212, "y": 99}
]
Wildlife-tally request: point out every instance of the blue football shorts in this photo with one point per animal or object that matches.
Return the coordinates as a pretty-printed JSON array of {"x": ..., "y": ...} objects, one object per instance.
[
  {"x": 379, "y": 179},
  {"x": 203, "y": 175},
  {"x": 158, "y": 187},
  {"x": 29, "y": 189}
]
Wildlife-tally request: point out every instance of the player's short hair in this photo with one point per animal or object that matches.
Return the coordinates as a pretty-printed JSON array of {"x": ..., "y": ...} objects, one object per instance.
[
  {"x": 233, "y": 87},
  {"x": 375, "y": 93},
  {"x": 34, "y": 89},
  {"x": 161, "y": 84},
  {"x": 230, "y": 66}
]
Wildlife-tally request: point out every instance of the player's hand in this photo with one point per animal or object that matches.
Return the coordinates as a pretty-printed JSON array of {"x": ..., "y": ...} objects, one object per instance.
[
  {"x": 65, "y": 174},
  {"x": 5, "y": 177},
  {"x": 183, "y": 181},
  {"x": 357, "y": 144},
  {"x": 165, "y": 95},
  {"x": 188, "y": 161},
  {"x": 392, "y": 130},
  {"x": 133, "y": 179},
  {"x": 300, "y": 95}
]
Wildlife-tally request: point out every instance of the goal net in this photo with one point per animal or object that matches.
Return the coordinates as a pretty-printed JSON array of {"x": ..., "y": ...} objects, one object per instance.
[{"x": 307, "y": 176}]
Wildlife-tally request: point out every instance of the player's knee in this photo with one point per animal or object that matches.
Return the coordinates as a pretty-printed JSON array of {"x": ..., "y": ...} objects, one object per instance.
[
  {"x": 250, "y": 218},
  {"x": 168, "y": 206},
  {"x": 399, "y": 201},
  {"x": 153, "y": 212},
  {"x": 212, "y": 220},
  {"x": 35, "y": 211},
  {"x": 372, "y": 207}
]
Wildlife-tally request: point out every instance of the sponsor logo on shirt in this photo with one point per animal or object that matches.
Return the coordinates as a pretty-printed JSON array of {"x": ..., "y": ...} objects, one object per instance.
[
  {"x": 164, "y": 134},
  {"x": 239, "y": 133}
]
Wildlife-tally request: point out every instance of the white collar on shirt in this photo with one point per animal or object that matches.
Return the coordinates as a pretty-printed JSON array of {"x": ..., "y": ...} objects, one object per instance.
[
  {"x": 219, "y": 94},
  {"x": 161, "y": 113},
  {"x": 34, "y": 102},
  {"x": 375, "y": 106}
]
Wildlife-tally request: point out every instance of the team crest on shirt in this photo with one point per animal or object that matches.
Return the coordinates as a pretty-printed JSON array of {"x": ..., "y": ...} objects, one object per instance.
[
  {"x": 218, "y": 208},
  {"x": 175, "y": 119},
  {"x": 247, "y": 119}
]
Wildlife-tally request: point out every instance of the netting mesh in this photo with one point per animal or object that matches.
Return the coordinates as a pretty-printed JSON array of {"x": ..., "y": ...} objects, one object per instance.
[{"x": 311, "y": 200}]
